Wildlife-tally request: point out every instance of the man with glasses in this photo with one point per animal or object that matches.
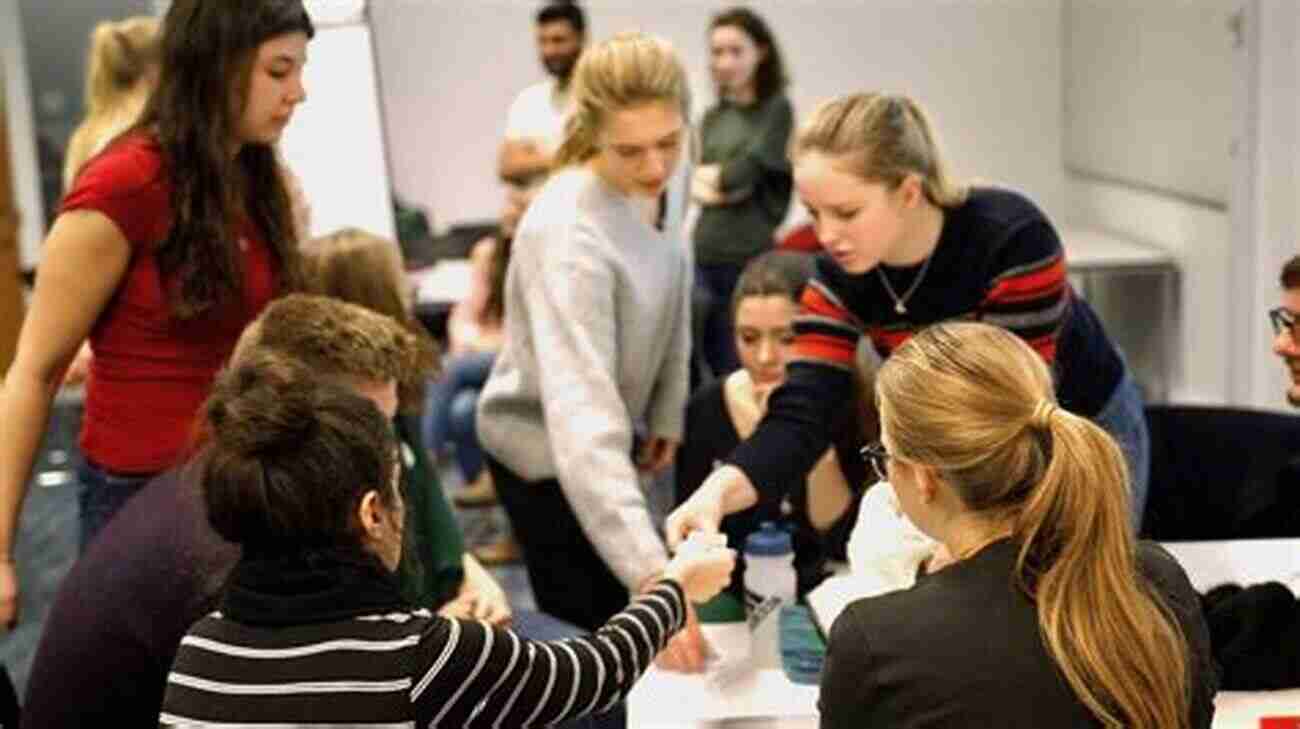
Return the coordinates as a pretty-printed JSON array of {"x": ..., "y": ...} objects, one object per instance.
[{"x": 1286, "y": 337}]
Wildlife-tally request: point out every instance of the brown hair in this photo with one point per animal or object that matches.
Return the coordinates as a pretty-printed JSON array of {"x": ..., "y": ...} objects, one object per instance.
[
  {"x": 121, "y": 53},
  {"x": 627, "y": 70},
  {"x": 1290, "y": 277},
  {"x": 365, "y": 269},
  {"x": 208, "y": 50},
  {"x": 775, "y": 273},
  {"x": 290, "y": 456},
  {"x": 976, "y": 403},
  {"x": 770, "y": 77},
  {"x": 881, "y": 138},
  {"x": 337, "y": 338}
]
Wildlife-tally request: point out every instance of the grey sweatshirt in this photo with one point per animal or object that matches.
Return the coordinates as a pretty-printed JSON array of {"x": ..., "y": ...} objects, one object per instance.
[{"x": 597, "y": 340}]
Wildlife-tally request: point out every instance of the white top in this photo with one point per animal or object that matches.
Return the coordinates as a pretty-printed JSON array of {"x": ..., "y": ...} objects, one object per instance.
[
  {"x": 538, "y": 114},
  {"x": 597, "y": 341}
]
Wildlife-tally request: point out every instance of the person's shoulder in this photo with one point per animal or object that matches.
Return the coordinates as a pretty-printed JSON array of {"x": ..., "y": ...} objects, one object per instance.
[
  {"x": 557, "y": 205},
  {"x": 535, "y": 95},
  {"x": 1163, "y": 570},
  {"x": 1001, "y": 206},
  {"x": 127, "y": 164}
]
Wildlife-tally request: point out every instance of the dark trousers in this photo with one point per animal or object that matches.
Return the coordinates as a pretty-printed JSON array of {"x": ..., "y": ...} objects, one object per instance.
[
  {"x": 719, "y": 344},
  {"x": 569, "y": 580}
]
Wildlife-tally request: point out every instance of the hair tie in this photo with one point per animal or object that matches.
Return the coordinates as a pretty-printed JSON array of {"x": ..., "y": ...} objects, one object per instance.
[{"x": 1043, "y": 412}]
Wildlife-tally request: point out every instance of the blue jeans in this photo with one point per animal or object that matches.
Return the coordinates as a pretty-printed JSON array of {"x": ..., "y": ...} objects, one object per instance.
[
  {"x": 719, "y": 343},
  {"x": 100, "y": 495},
  {"x": 535, "y": 625},
  {"x": 449, "y": 408},
  {"x": 1123, "y": 416}
]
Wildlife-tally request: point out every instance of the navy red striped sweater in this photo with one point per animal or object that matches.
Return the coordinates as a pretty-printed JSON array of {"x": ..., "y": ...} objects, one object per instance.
[{"x": 998, "y": 260}]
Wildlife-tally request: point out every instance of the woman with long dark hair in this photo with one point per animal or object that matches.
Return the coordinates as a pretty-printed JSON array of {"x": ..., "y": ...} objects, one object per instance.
[
  {"x": 170, "y": 242},
  {"x": 743, "y": 182}
]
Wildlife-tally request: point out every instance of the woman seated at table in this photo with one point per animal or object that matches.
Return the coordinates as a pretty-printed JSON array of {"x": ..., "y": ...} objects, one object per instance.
[
  {"x": 302, "y": 473},
  {"x": 1050, "y": 614},
  {"x": 822, "y": 509}
]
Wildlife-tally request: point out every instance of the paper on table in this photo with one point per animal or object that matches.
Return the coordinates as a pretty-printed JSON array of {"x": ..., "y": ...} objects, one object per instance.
[
  {"x": 884, "y": 552},
  {"x": 694, "y": 698}
]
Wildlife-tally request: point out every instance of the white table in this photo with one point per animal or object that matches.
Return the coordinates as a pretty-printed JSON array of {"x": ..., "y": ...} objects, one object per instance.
[
  {"x": 1093, "y": 255},
  {"x": 768, "y": 700},
  {"x": 765, "y": 699},
  {"x": 1244, "y": 561}
]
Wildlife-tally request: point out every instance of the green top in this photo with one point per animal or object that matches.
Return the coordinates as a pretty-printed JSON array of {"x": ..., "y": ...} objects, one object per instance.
[
  {"x": 432, "y": 567},
  {"x": 750, "y": 143}
]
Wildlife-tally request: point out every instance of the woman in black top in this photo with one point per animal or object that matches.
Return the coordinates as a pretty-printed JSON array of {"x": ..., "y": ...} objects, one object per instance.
[
  {"x": 821, "y": 508},
  {"x": 302, "y": 473},
  {"x": 1050, "y": 613}
]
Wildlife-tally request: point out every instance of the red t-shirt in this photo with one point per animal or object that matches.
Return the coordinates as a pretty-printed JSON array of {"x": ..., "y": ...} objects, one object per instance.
[{"x": 151, "y": 372}]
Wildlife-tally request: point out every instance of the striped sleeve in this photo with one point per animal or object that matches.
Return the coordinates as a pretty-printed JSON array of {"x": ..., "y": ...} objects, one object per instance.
[
  {"x": 825, "y": 331},
  {"x": 1028, "y": 292},
  {"x": 470, "y": 674},
  {"x": 795, "y": 432}
]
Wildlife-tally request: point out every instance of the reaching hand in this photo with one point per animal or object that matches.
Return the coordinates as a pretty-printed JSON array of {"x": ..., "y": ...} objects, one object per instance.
[
  {"x": 79, "y": 369},
  {"x": 688, "y": 651},
  {"x": 480, "y": 597},
  {"x": 657, "y": 453},
  {"x": 702, "y": 566},
  {"x": 701, "y": 512},
  {"x": 8, "y": 595}
]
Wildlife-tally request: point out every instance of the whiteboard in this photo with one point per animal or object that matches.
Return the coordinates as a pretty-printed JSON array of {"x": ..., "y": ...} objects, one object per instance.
[{"x": 335, "y": 143}]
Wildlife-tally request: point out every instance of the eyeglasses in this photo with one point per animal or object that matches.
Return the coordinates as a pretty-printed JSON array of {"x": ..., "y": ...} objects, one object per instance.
[
  {"x": 1283, "y": 319},
  {"x": 879, "y": 458}
]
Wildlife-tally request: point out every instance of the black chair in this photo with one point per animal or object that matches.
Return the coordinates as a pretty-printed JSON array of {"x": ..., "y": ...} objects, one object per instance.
[{"x": 1222, "y": 473}]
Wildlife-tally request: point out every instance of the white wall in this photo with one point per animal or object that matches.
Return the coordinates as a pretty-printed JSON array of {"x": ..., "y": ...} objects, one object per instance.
[
  {"x": 1143, "y": 195},
  {"x": 1266, "y": 190},
  {"x": 22, "y": 137},
  {"x": 1198, "y": 237},
  {"x": 990, "y": 73}
]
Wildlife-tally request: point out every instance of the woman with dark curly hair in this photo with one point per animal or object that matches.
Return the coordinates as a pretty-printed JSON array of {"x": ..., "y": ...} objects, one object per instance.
[{"x": 170, "y": 242}]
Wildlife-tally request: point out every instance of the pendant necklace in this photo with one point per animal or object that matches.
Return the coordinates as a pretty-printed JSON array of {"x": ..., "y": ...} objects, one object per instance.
[{"x": 900, "y": 302}]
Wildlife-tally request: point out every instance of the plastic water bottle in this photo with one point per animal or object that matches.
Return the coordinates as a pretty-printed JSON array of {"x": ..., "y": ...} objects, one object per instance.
[{"x": 769, "y": 584}]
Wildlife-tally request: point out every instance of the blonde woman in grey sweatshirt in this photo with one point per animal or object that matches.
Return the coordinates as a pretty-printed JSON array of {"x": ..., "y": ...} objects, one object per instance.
[{"x": 589, "y": 390}]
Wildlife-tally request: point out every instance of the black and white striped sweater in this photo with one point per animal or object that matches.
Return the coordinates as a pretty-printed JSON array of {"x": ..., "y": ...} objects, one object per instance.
[{"x": 409, "y": 669}]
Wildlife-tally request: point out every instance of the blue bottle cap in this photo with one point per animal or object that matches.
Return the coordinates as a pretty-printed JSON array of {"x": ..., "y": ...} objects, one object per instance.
[{"x": 769, "y": 541}]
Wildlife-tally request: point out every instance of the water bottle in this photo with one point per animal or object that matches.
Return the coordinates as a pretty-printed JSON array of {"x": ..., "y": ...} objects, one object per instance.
[{"x": 769, "y": 584}]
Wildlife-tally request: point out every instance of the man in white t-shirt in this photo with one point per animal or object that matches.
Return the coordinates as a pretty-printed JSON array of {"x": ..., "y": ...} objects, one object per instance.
[{"x": 535, "y": 125}]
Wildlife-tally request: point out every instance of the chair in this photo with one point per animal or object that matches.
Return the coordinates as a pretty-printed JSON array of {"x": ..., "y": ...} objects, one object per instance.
[{"x": 1222, "y": 473}]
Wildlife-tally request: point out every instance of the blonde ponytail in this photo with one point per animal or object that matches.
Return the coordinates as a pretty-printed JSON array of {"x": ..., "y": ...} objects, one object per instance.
[
  {"x": 1117, "y": 644},
  {"x": 882, "y": 138},
  {"x": 625, "y": 71},
  {"x": 120, "y": 54},
  {"x": 976, "y": 403}
]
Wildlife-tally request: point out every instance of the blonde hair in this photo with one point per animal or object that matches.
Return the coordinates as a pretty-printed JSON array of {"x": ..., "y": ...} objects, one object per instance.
[
  {"x": 625, "y": 71},
  {"x": 366, "y": 269},
  {"x": 121, "y": 53},
  {"x": 976, "y": 403},
  {"x": 881, "y": 138}
]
